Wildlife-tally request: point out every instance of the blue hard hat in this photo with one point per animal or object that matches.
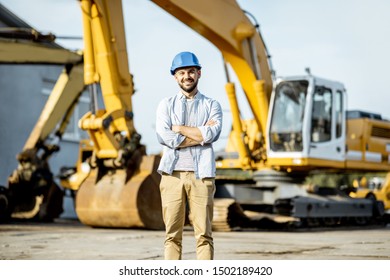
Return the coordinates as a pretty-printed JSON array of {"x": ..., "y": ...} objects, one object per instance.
[{"x": 184, "y": 59}]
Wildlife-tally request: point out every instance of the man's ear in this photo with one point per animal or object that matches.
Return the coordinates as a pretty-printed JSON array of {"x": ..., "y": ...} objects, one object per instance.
[{"x": 199, "y": 73}]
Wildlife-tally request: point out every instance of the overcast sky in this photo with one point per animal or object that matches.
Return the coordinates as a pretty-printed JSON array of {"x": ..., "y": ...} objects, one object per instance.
[{"x": 347, "y": 41}]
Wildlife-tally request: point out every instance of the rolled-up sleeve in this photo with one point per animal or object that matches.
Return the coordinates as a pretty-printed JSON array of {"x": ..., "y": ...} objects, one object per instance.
[
  {"x": 211, "y": 134},
  {"x": 165, "y": 135}
]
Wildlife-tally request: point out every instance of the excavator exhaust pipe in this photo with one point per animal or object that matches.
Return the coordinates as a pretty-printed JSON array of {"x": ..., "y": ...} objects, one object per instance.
[{"x": 113, "y": 201}]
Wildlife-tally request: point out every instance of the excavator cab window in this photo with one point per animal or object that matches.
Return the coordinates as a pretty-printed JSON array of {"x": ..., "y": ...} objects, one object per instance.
[
  {"x": 287, "y": 116},
  {"x": 321, "y": 122},
  {"x": 339, "y": 114}
]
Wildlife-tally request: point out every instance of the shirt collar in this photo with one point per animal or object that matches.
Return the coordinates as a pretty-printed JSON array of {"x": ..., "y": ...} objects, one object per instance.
[{"x": 182, "y": 97}]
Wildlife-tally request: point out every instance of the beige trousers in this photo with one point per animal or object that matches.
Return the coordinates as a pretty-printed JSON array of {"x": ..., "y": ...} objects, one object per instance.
[{"x": 177, "y": 190}]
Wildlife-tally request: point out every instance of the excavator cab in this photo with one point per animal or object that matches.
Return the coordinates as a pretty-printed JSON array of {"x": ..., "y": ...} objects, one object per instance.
[
  {"x": 307, "y": 124},
  {"x": 310, "y": 128}
]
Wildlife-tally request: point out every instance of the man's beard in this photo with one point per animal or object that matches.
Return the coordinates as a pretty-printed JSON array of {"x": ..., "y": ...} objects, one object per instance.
[{"x": 189, "y": 89}]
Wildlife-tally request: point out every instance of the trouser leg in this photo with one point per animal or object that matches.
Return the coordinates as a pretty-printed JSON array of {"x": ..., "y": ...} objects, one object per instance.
[
  {"x": 201, "y": 202},
  {"x": 173, "y": 205}
]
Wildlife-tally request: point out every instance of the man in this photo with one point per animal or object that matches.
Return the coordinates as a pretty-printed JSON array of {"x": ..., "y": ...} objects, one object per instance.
[{"x": 187, "y": 125}]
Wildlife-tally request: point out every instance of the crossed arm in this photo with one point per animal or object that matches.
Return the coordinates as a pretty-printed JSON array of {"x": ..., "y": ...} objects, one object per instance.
[
  {"x": 176, "y": 136},
  {"x": 192, "y": 134}
]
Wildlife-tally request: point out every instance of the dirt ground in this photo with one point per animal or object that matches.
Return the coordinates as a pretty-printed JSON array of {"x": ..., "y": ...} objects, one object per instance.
[{"x": 67, "y": 239}]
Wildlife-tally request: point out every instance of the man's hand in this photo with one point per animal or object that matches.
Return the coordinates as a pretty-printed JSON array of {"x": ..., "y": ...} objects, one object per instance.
[
  {"x": 211, "y": 123},
  {"x": 176, "y": 128}
]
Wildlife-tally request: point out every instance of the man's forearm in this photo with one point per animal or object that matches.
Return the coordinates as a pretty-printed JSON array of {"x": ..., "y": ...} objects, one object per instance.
[
  {"x": 188, "y": 142},
  {"x": 189, "y": 132}
]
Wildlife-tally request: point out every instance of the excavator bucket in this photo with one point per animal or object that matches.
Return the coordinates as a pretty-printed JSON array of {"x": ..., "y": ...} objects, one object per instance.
[{"x": 117, "y": 202}]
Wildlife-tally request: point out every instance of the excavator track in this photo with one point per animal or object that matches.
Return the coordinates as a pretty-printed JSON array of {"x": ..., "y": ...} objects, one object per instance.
[
  {"x": 230, "y": 216},
  {"x": 224, "y": 212}
]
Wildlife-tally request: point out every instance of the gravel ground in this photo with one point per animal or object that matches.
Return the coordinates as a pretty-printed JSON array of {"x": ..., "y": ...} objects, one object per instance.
[{"x": 69, "y": 240}]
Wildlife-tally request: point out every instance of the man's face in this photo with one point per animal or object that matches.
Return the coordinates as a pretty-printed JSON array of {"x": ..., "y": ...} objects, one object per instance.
[{"x": 188, "y": 78}]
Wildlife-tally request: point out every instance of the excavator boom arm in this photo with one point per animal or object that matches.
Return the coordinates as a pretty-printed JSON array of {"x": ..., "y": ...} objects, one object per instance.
[
  {"x": 106, "y": 63},
  {"x": 242, "y": 47}
]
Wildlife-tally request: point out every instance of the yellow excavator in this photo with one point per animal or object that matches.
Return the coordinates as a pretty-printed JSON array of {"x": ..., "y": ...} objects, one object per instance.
[
  {"x": 300, "y": 125},
  {"x": 115, "y": 181}
]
